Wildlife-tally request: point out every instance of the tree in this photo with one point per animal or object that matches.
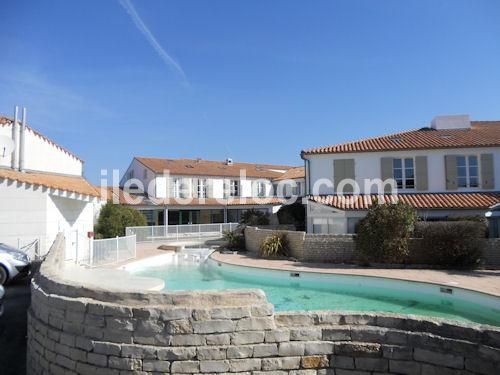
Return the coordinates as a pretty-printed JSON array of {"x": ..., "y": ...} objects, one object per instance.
[
  {"x": 253, "y": 217},
  {"x": 383, "y": 235},
  {"x": 294, "y": 214},
  {"x": 114, "y": 218}
]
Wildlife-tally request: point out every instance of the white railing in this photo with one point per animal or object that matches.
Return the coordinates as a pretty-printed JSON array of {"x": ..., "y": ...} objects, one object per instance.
[
  {"x": 179, "y": 232},
  {"x": 112, "y": 250}
]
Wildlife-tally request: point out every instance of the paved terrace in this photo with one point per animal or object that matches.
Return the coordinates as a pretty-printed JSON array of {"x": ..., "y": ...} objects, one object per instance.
[{"x": 485, "y": 281}]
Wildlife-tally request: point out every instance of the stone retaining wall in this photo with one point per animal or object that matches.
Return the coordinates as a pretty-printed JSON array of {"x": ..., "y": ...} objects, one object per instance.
[
  {"x": 335, "y": 248},
  {"x": 75, "y": 330}
]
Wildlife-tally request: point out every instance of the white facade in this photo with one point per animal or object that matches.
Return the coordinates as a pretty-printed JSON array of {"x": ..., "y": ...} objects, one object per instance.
[
  {"x": 164, "y": 186},
  {"x": 367, "y": 167},
  {"x": 41, "y": 154},
  {"x": 34, "y": 212}
]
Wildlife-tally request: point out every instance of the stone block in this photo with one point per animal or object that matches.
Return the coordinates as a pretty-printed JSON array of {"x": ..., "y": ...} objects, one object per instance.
[
  {"x": 262, "y": 310},
  {"x": 248, "y": 364},
  {"x": 255, "y": 324},
  {"x": 185, "y": 367},
  {"x": 305, "y": 334},
  {"x": 95, "y": 320},
  {"x": 107, "y": 348},
  {"x": 314, "y": 361},
  {"x": 371, "y": 364},
  {"x": 339, "y": 361},
  {"x": 265, "y": 350},
  {"x": 319, "y": 347},
  {"x": 230, "y": 312},
  {"x": 213, "y": 326},
  {"x": 201, "y": 314},
  {"x": 289, "y": 319},
  {"x": 132, "y": 364},
  {"x": 277, "y": 335},
  {"x": 118, "y": 311},
  {"x": 242, "y": 338},
  {"x": 282, "y": 363},
  {"x": 214, "y": 366},
  {"x": 175, "y": 314},
  {"x": 65, "y": 362},
  {"x": 405, "y": 367},
  {"x": 291, "y": 349},
  {"x": 119, "y": 324},
  {"x": 437, "y": 358},
  {"x": 97, "y": 359},
  {"x": 155, "y": 366},
  {"x": 218, "y": 339},
  {"x": 339, "y": 333},
  {"x": 138, "y": 351},
  {"x": 368, "y": 334},
  {"x": 355, "y": 349},
  {"x": 245, "y": 351},
  {"x": 176, "y": 353},
  {"x": 397, "y": 352},
  {"x": 207, "y": 353},
  {"x": 188, "y": 340}
]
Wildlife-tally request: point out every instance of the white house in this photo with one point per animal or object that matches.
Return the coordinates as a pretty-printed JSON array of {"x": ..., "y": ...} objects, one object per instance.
[
  {"x": 450, "y": 168},
  {"x": 42, "y": 191},
  {"x": 197, "y": 191}
]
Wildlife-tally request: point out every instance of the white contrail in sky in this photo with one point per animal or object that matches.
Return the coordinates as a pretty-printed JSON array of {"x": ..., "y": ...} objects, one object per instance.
[{"x": 139, "y": 23}]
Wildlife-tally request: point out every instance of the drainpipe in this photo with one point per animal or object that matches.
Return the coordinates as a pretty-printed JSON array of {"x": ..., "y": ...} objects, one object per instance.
[
  {"x": 13, "y": 160},
  {"x": 22, "y": 142}
]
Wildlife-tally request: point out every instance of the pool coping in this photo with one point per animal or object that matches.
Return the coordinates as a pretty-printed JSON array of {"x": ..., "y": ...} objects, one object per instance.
[{"x": 216, "y": 256}]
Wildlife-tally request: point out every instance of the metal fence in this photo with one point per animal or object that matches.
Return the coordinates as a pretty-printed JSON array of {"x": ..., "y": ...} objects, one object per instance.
[
  {"x": 112, "y": 250},
  {"x": 179, "y": 232}
]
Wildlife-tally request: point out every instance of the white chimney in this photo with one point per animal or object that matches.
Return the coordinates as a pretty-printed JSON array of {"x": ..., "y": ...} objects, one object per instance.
[
  {"x": 229, "y": 161},
  {"x": 22, "y": 142},
  {"x": 451, "y": 122},
  {"x": 14, "y": 163}
]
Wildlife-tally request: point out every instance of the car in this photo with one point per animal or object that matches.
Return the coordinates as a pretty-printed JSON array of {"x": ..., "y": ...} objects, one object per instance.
[
  {"x": 2, "y": 294},
  {"x": 13, "y": 264}
]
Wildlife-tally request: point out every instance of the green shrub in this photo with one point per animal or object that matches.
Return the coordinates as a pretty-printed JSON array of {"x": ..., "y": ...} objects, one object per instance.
[
  {"x": 114, "y": 218},
  {"x": 383, "y": 235},
  {"x": 254, "y": 217},
  {"x": 451, "y": 243},
  {"x": 274, "y": 245},
  {"x": 235, "y": 239},
  {"x": 294, "y": 214}
]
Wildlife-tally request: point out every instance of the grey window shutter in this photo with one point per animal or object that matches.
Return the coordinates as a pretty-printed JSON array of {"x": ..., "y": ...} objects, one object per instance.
[
  {"x": 210, "y": 188},
  {"x": 421, "y": 173},
  {"x": 450, "y": 162},
  {"x": 487, "y": 174},
  {"x": 343, "y": 169},
  {"x": 338, "y": 173},
  {"x": 386, "y": 172},
  {"x": 170, "y": 183}
]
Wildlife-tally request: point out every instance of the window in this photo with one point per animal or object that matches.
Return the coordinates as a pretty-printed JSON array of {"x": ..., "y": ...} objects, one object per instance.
[
  {"x": 202, "y": 188},
  {"x": 131, "y": 174},
  {"x": 296, "y": 189},
  {"x": 234, "y": 188},
  {"x": 404, "y": 173},
  {"x": 467, "y": 171},
  {"x": 177, "y": 188},
  {"x": 261, "y": 189}
]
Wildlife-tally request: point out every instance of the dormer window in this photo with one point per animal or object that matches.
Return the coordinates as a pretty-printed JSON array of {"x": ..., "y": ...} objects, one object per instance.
[
  {"x": 202, "y": 188},
  {"x": 234, "y": 188},
  {"x": 467, "y": 171},
  {"x": 403, "y": 172}
]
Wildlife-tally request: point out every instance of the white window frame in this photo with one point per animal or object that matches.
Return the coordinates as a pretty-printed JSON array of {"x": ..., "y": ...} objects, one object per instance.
[
  {"x": 202, "y": 188},
  {"x": 261, "y": 189},
  {"x": 177, "y": 188},
  {"x": 467, "y": 172},
  {"x": 234, "y": 188},
  {"x": 403, "y": 173}
]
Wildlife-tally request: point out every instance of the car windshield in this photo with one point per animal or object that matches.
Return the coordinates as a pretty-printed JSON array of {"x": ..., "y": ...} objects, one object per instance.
[{"x": 7, "y": 248}]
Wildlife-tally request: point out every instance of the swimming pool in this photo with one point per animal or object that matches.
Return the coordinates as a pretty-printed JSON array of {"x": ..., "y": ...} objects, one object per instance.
[{"x": 317, "y": 291}]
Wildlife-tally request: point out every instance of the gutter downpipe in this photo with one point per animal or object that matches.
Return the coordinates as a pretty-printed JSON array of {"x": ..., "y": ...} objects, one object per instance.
[{"x": 22, "y": 142}]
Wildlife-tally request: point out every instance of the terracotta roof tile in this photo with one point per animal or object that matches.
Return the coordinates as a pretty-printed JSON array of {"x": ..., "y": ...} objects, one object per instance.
[
  {"x": 4, "y": 120},
  {"x": 479, "y": 200},
  {"x": 480, "y": 134},
  {"x": 212, "y": 168},
  {"x": 295, "y": 172},
  {"x": 73, "y": 184}
]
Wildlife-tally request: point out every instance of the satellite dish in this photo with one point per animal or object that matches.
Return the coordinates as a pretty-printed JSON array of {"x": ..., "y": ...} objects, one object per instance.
[{"x": 6, "y": 146}]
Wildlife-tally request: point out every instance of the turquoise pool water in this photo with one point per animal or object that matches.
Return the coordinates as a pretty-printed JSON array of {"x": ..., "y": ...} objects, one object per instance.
[{"x": 311, "y": 291}]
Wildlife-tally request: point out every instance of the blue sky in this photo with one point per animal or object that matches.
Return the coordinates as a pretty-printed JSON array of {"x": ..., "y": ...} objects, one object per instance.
[{"x": 252, "y": 80}]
